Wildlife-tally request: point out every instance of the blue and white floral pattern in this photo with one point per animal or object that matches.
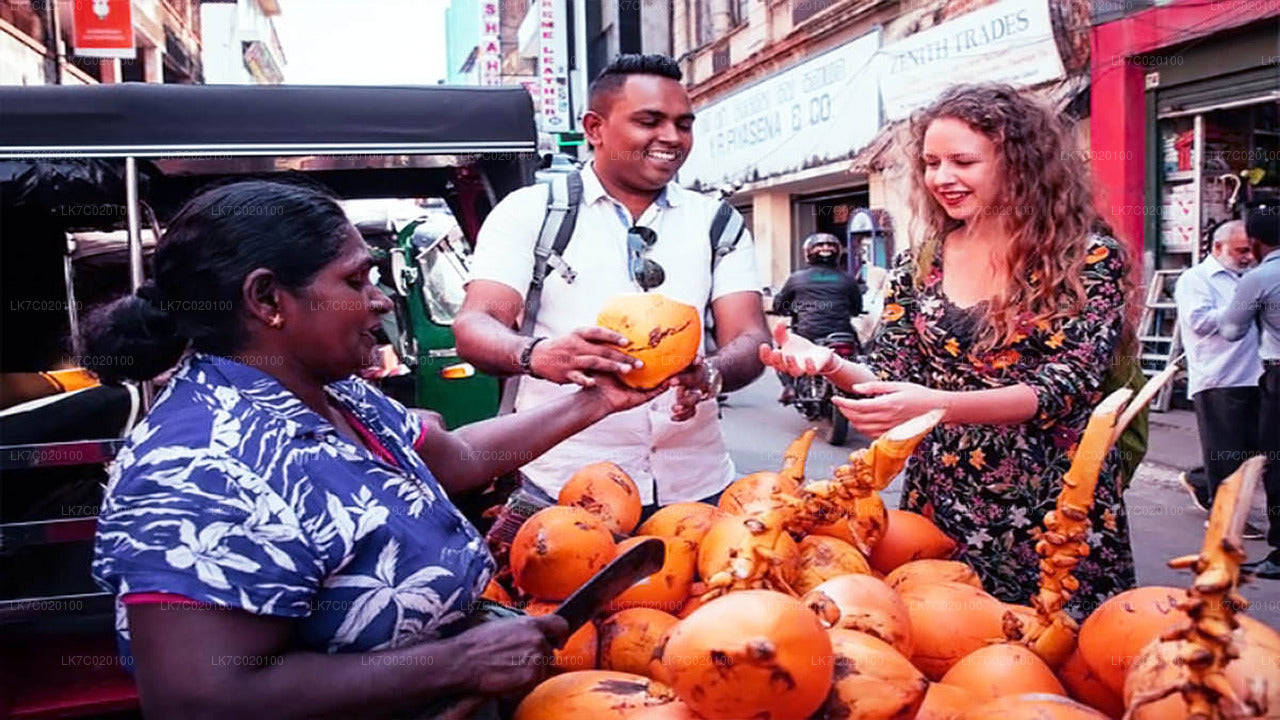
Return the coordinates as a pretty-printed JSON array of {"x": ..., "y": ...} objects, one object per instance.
[{"x": 233, "y": 492}]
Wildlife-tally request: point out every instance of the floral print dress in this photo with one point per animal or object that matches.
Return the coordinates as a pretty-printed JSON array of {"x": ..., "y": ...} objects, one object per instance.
[{"x": 989, "y": 486}]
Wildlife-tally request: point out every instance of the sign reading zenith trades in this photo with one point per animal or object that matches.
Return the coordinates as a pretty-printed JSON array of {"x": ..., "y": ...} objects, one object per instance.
[
  {"x": 103, "y": 28},
  {"x": 1010, "y": 41}
]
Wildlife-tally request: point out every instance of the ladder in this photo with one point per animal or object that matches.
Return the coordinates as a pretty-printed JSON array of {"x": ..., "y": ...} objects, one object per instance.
[{"x": 1159, "y": 341}]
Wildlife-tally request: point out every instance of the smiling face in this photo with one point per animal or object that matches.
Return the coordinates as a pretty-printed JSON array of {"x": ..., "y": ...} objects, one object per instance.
[
  {"x": 963, "y": 170},
  {"x": 330, "y": 323},
  {"x": 643, "y": 135}
]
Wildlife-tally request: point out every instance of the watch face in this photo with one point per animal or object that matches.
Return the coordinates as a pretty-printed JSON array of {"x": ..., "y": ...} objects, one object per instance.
[{"x": 715, "y": 381}]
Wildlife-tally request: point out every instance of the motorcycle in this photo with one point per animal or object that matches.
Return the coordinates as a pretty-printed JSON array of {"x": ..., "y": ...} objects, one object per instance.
[{"x": 813, "y": 393}]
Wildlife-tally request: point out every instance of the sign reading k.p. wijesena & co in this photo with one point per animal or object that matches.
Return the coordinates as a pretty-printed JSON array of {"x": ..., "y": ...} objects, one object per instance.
[
  {"x": 1010, "y": 41},
  {"x": 818, "y": 111}
]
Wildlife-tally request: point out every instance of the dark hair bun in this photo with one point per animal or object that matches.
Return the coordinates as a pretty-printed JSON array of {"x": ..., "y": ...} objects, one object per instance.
[
  {"x": 210, "y": 246},
  {"x": 132, "y": 339}
]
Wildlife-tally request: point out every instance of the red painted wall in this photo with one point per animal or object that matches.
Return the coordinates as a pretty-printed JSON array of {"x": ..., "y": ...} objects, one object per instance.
[{"x": 1117, "y": 100}]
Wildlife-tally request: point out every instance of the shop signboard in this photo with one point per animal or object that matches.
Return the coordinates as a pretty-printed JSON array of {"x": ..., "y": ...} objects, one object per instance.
[
  {"x": 489, "y": 51},
  {"x": 553, "y": 77},
  {"x": 103, "y": 28},
  {"x": 261, "y": 65},
  {"x": 818, "y": 111},
  {"x": 1010, "y": 41}
]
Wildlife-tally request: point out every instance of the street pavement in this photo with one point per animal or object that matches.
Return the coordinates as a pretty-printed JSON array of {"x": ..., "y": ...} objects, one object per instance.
[{"x": 1163, "y": 522}]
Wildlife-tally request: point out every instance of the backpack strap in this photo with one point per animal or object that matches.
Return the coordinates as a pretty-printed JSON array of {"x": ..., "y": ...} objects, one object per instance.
[
  {"x": 564, "y": 195},
  {"x": 727, "y": 228}
]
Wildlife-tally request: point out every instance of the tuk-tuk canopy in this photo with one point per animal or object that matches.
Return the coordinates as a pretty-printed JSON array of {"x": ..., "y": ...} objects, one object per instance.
[{"x": 152, "y": 121}]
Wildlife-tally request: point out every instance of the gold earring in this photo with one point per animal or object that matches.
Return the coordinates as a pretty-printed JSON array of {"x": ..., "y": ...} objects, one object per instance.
[{"x": 276, "y": 322}]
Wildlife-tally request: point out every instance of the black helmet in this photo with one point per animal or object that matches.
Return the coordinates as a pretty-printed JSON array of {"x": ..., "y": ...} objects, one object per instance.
[{"x": 822, "y": 249}]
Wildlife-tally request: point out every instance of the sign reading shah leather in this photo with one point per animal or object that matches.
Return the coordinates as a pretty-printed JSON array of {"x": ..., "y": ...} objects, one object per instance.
[{"x": 1010, "y": 41}]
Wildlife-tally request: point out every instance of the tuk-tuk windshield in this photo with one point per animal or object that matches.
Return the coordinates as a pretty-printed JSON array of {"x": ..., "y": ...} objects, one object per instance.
[{"x": 445, "y": 266}]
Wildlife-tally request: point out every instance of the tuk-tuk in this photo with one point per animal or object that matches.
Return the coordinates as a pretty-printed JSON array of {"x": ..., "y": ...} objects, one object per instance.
[{"x": 104, "y": 167}]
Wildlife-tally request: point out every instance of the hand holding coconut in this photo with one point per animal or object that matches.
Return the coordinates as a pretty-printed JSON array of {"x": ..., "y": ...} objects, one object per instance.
[
  {"x": 615, "y": 396},
  {"x": 580, "y": 355},
  {"x": 662, "y": 336}
]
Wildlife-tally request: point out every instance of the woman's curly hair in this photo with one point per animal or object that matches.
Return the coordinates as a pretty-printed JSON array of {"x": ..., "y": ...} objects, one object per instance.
[{"x": 1048, "y": 206}]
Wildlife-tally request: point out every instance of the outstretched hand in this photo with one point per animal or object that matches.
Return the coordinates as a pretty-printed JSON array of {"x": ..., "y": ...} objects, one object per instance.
[
  {"x": 795, "y": 355},
  {"x": 618, "y": 397},
  {"x": 893, "y": 404}
]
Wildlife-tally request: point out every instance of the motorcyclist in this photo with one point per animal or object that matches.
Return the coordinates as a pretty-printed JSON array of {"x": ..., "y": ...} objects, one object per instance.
[{"x": 820, "y": 299}]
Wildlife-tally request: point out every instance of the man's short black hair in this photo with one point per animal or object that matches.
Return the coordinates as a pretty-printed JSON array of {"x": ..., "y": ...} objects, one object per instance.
[
  {"x": 1262, "y": 223},
  {"x": 611, "y": 79}
]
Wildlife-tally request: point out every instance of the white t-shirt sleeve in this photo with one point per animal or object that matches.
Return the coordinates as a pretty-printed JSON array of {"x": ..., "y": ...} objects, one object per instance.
[
  {"x": 737, "y": 270},
  {"x": 504, "y": 248}
]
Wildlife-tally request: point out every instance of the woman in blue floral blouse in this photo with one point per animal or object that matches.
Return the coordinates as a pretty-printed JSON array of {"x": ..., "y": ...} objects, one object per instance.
[
  {"x": 278, "y": 533},
  {"x": 1008, "y": 316}
]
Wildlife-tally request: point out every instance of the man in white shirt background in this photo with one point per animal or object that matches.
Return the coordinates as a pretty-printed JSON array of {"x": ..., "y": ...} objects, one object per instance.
[
  {"x": 1222, "y": 375},
  {"x": 640, "y": 126}
]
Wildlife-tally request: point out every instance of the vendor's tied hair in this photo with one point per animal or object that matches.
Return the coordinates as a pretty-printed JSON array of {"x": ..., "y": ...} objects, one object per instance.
[
  {"x": 610, "y": 80},
  {"x": 195, "y": 299},
  {"x": 1047, "y": 206}
]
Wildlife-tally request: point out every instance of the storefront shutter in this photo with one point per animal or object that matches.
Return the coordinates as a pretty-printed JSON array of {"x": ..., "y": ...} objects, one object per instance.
[{"x": 1249, "y": 86}]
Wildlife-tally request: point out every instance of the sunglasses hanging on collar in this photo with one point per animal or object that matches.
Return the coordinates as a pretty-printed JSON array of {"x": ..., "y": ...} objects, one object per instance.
[{"x": 645, "y": 272}]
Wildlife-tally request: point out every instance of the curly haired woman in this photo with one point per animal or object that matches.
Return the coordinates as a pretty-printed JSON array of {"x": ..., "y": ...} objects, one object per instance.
[{"x": 1008, "y": 315}]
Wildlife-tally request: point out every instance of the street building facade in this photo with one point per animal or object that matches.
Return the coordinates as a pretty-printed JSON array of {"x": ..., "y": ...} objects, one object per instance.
[
  {"x": 801, "y": 106},
  {"x": 239, "y": 42},
  {"x": 104, "y": 41},
  {"x": 1186, "y": 97},
  {"x": 1186, "y": 136},
  {"x": 553, "y": 48}
]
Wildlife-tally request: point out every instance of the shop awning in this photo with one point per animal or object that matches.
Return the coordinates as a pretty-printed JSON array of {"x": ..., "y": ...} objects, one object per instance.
[{"x": 151, "y": 120}]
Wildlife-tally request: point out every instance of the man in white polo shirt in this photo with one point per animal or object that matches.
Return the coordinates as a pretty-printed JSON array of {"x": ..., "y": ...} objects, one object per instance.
[{"x": 640, "y": 126}]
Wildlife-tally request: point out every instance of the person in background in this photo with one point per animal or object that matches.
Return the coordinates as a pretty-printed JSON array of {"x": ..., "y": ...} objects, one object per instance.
[
  {"x": 278, "y": 533},
  {"x": 1222, "y": 374},
  {"x": 819, "y": 299},
  {"x": 1008, "y": 317},
  {"x": 639, "y": 123},
  {"x": 1255, "y": 307}
]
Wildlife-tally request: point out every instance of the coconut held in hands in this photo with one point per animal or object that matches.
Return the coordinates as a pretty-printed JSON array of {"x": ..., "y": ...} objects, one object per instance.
[{"x": 664, "y": 335}]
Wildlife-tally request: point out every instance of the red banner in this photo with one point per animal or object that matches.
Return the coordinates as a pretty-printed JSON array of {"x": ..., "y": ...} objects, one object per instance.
[{"x": 103, "y": 28}]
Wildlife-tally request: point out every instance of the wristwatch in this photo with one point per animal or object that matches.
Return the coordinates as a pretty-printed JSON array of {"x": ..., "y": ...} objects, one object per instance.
[
  {"x": 526, "y": 356},
  {"x": 715, "y": 381}
]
